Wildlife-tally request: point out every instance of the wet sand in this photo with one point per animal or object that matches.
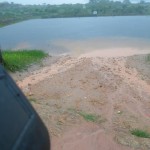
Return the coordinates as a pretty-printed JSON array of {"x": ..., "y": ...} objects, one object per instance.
[{"x": 103, "y": 84}]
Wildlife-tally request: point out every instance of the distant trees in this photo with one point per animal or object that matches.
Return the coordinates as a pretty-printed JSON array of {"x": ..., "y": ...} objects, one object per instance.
[
  {"x": 126, "y": 2},
  {"x": 94, "y": 1},
  {"x": 97, "y": 1},
  {"x": 11, "y": 12}
]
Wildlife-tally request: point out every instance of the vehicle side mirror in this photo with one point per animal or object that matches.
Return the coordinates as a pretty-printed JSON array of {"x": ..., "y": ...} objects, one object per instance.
[{"x": 20, "y": 126}]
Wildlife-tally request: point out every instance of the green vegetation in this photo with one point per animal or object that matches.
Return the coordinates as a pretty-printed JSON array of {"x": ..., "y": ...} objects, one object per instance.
[
  {"x": 12, "y": 13},
  {"x": 19, "y": 60},
  {"x": 140, "y": 133},
  {"x": 89, "y": 117}
]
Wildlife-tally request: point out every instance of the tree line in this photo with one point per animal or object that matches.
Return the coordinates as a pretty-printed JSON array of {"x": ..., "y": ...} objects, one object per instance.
[{"x": 11, "y": 12}]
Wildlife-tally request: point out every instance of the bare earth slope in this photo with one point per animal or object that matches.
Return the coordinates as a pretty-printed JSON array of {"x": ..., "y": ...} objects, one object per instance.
[{"x": 67, "y": 91}]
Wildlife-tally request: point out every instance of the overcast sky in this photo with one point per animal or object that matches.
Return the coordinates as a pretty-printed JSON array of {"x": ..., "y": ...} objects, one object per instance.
[{"x": 53, "y": 1}]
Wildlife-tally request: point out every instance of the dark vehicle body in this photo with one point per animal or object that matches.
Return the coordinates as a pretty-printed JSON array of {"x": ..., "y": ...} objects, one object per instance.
[{"x": 20, "y": 126}]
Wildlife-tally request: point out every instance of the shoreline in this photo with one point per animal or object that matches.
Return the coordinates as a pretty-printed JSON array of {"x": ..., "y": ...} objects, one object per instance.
[{"x": 90, "y": 16}]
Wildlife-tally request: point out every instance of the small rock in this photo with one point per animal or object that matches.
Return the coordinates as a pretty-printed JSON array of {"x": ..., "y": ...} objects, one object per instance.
[
  {"x": 30, "y": 94},
  {"x": 118, "y": 112},
  {"x": 29, "y": 84}
]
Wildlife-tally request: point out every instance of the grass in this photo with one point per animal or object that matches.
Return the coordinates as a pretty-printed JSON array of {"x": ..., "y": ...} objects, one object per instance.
[
  {"x": 21, "y": 59},
  {"x": 89, "y": 117},
  {"x": 140, "y": 133}
]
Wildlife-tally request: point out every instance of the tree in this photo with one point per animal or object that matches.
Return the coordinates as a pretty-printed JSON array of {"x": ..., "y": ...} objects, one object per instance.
[
  {"x": 126, "y": 2},
  {"x": 98, "y": 1},
  {"x": 94, "y": 1},
  {"x": 142, "y": 2}
]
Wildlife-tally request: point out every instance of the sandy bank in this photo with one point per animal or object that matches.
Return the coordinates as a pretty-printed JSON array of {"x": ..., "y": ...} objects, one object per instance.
[{"x": 106, "y": 86}]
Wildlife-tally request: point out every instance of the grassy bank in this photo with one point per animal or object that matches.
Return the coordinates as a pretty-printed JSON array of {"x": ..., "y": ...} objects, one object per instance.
[{"x": 20, "y": 60}]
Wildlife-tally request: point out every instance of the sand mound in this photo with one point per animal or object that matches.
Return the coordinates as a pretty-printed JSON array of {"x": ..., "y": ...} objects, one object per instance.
[{"x": 91, "y": 103}]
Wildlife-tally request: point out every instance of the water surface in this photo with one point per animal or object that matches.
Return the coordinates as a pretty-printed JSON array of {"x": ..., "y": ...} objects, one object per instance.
[{"x": 77, "y": 35}]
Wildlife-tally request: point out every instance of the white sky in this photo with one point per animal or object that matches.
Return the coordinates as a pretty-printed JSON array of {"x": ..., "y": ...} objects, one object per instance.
[{"x": 54, "y": 1}]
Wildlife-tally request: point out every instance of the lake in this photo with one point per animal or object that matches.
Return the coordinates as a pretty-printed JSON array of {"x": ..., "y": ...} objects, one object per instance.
[{"x": 64, "y": 35}]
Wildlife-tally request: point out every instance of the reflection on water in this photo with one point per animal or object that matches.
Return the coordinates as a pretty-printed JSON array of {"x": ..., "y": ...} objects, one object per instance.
[
  {"x": 100, "y": 46},
  {"x": 23, "y": 45},
  {"x": 114, "y": 46}
]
